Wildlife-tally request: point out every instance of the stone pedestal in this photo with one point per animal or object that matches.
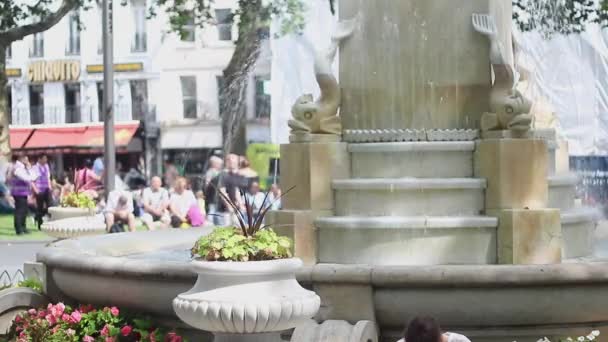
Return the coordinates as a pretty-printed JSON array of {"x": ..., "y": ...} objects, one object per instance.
[
  {"x": 529, "y": 236},
  {"x": 310, "y": 167},
  {"x": 516, "y": 173},
  {"x": 298, "y": 225}
]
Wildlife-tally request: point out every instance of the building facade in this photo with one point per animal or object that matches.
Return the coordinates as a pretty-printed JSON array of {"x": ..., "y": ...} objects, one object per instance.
[{"x": 166, "y": 83}]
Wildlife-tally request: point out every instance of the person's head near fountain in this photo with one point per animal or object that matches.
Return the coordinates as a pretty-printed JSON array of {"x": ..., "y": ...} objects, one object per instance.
[
  {"x": 216, "y": 163},
  {"x": 427, "y": 329},
  {"x": 155, "y": 183},
  {"x": 88, "y": 164},
  {"x": 232, "y": 162},
  {"x": 180, "y": 185}
]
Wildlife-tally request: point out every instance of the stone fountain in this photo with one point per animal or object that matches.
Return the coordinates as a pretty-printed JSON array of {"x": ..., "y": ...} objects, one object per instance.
[{"x": 440, "y": 197}]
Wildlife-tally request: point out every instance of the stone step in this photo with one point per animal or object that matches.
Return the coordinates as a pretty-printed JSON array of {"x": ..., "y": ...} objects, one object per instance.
[
  {"x": 409, "y": 196},
  {"x": 578, "y": 227},
  {"x": 407, "y": 240},
  {"x": 445, "y": 159},
  {"x": 562, "y": 191}
]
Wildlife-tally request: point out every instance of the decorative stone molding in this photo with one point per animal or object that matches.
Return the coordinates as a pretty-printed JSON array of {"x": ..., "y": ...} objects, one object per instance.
[
  {"x": 74, "y": 227},
  {"x": 383, "y": 135},
  {"x": 452, "y": 134},
  {"x": 58, "y": 213},
  {"x": 336, "y": 331},
  {"x": 246, "y": 297}
]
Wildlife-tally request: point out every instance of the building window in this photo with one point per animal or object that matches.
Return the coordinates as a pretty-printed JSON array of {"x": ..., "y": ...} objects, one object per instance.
[
  {"x": 220, "y": 99},
  {"x": 9, "y": 104},
  {"x": 188, "y": 33},
  {"x": 189, "y": 96},
  {"x": 224, "y": 23},
  {"x": 36, "y": 104},
  {"x": 72, "y": 103},
  {"x": 264, "y": 33},
  {"x": 139, "y": 99},
  {"x": 73, "y": 47},
  {"x": 139, "y": 40},
  {"x": 262, "y": 98},
  {"x": 37, "y": 48},
  {"x": 102, "y": 113}
]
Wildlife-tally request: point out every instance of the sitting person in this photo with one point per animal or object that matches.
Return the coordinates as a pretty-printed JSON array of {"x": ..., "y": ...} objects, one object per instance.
[
  {"x": 155, "y": 200},
  {"x": 426, "y": 329},
  {"x": 119, "y": 210},
  {"x": 180, "y": 203},
  {"x": 87, "y": 181}
]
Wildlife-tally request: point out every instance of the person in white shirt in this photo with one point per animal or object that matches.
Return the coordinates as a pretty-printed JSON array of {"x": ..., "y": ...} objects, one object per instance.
[
  {"x": 155, "y": 203},
  {"x": 180, "y": 202},
  {"x": 426, "y": 329},
  {"x": 256, "y": 198},
  {"x": 119, "y": 209}
]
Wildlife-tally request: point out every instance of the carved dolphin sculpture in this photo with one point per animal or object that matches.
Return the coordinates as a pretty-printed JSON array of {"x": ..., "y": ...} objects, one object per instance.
[{"x": 320, "y": 116}]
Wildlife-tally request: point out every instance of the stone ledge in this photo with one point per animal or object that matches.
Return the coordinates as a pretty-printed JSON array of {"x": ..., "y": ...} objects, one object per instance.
[
  {"x": 408, "y": 183},
  {"x": 408, "y": 222},
  {"x": 571, "y": 179},
  {"x": 578, "y": 215},
  {"x": 429, "y": 146}
]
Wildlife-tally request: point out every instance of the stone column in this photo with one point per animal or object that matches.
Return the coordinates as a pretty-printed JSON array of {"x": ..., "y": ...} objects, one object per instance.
[
  {"x": 417, "y": 63},
  {"x": 309, "y": 167},
  {"x": 517, "y": 194}
]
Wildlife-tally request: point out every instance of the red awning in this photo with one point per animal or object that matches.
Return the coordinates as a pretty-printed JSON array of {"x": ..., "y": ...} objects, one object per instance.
[
  {"x": 93, "y": 137},
  {"x": 18, "y": 136},
  {"x": 69, "y": 138}
]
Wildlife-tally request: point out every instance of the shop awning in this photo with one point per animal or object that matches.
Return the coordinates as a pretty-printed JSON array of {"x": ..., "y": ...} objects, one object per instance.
[
  {"x": 70, "y": 137},
  {"x": 18, "y": 136}
]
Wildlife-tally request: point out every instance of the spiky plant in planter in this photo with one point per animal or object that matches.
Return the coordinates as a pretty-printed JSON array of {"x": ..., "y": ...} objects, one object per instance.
[
  {"x": 246, "y": 280},
  {"x": 251, "y": 240}
]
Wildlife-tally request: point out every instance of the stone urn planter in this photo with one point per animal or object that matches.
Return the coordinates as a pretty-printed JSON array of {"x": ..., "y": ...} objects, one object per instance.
[
  {"x": 58, "y": 213},
  {"x": 246, "y": 301},
  {"x": 74, "y": 227}
]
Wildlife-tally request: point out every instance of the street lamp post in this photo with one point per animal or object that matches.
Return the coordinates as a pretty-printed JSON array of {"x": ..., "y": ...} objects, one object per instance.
[{"x": 108, "y": 97}]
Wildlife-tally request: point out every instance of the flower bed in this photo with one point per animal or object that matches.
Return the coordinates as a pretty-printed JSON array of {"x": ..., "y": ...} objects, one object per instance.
[{"x": 61, "y": 323}]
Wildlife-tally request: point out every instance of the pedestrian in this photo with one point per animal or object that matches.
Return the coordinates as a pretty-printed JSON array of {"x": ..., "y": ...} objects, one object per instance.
[
  {"x": 21, "y": 179},
  {"x": 256, "y": 199},
  {"x": 155, "y": 200},
  {"x": 119, "y": 211},
  {"x": 228, "y": 182},
  {"x": 249, "y": 174},
  {"x": 274, "y": 198},
  {"x": 86, "y": 180},
  {"x": 171, "y": 174},
  {"x": 215, "y": 168},
  {"x": 426, "y": 329},
  {"x": 181, "y": 201},
  {"x": 42, "y": 189},
  {"x": 98, "y": 166}
]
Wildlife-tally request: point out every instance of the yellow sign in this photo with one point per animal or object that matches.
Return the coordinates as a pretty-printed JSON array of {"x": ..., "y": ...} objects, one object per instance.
[
  {"x": 121, "y": 67},
  {"x": 13, "y": 72},
  {"x": 53, "y": 71},
  {"x": 260, "y": 156}
]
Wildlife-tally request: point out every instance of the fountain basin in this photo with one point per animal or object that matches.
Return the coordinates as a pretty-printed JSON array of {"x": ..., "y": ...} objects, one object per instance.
[
  {"x": 489, "y": 302},
  {"x": 58, "y": 213}
]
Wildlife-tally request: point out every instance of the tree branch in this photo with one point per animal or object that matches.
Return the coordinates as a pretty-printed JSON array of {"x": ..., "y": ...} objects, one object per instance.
[{"x": 44, "y": 24}]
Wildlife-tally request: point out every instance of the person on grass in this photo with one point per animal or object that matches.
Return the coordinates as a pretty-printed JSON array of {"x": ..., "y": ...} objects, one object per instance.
[
  {"x": 21, "y": 183},
  {"x": 42, "y": 189},
  {"x": 119, "y": 210},
  {"x": 155, "y": 200}
]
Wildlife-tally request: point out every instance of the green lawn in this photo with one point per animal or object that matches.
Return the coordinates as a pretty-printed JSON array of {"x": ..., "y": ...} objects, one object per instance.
[{"x": 7, "y": 231}]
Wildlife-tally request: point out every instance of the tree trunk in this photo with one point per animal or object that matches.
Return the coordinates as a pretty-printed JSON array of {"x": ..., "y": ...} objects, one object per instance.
[
  {"x": 236, "y": 79},
  {"x": 5, "y": 147}
]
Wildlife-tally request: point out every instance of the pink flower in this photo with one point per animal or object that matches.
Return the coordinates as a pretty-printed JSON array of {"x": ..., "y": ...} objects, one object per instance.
[
  {"x": 60, "y": 306},
  {"x": 110, "y": 339},
  {"x": 105, "y": 331},
  {"x": 31, "y": 311},
  {"x": 41, "y": 314},
  {"x": 88, "y": 338},
  {"x": 114, "y": 311},
  {"x": 76, "y": 316},
  {"x": 126, "y": 330},
  {"x": 18, "y": 319},
  {"x": 173, "y": 337},
  {"x": 65, "y": 317},
  {"x": 51, "y": 319}
]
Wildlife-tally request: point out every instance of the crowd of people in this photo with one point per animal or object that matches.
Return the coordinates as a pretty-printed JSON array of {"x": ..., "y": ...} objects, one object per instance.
[{"x": 171, "y": 201}]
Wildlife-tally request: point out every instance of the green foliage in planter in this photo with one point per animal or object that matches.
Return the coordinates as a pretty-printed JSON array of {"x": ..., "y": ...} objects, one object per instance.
[
  {"x": 229, "y": 244},
  {"x": 78, "y": 200},
  {"x": 32, "y": 283}
]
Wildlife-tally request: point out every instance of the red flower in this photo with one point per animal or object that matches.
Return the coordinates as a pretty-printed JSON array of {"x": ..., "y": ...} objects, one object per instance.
[
  {"x": 126, "y": 330},
  {"x": 114, "y": 310},
  {"x": 18, "y": 319},
  {"x": 173, "y": 337}
]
